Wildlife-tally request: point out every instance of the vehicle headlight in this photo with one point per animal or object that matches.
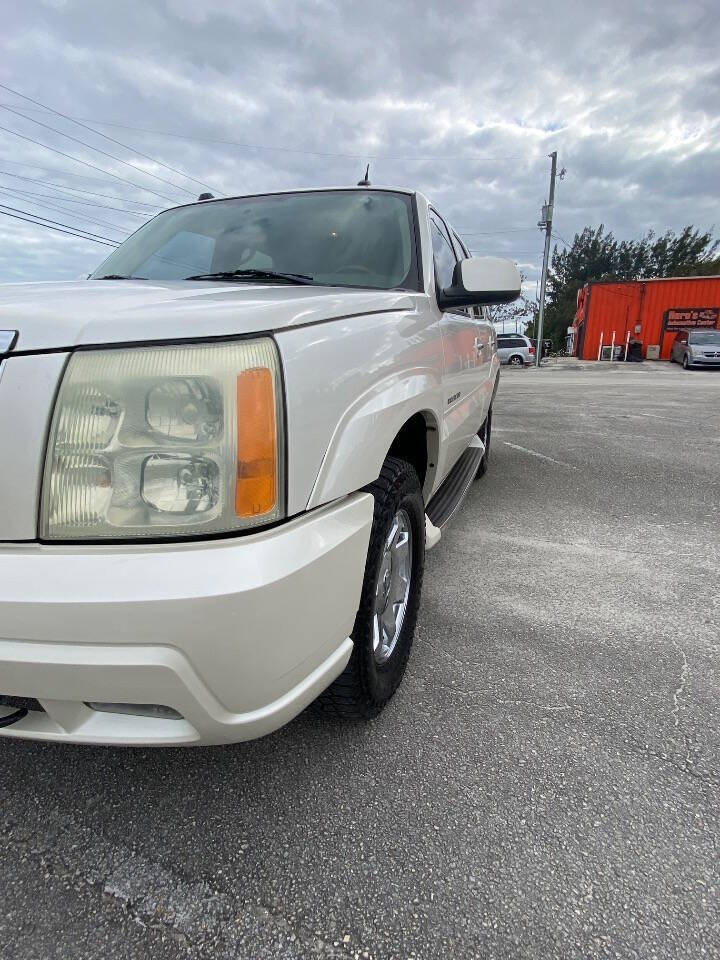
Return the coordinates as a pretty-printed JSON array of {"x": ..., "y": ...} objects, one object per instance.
[{"x": 167, "y": 441}]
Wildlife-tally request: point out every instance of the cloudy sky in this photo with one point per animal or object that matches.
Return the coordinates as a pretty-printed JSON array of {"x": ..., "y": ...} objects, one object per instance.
[{"x": 462, "y": 100}]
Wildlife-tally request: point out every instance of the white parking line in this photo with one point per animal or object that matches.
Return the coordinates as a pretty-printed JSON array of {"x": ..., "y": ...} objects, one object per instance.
[{"x": 540, "y": 456}]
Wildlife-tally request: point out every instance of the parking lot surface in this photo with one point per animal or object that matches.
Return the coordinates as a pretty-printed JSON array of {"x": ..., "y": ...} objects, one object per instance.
[{"x": 544, "y": 784}]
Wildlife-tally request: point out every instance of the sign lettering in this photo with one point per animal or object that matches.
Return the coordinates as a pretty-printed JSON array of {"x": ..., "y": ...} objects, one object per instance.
[{"x": 680, "y": 318}]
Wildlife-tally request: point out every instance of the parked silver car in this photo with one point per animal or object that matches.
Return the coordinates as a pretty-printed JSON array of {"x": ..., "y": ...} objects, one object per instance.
[
  {"x": 515, "y": 349},
  {"x": 696, "y": 348}
]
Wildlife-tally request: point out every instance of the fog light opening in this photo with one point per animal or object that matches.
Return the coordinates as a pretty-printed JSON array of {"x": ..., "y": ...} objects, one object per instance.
[{"x": 155, "y": 710}]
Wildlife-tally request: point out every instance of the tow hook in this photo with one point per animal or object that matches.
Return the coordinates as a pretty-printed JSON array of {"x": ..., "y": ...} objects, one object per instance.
[{"x": 13, "y": 717}]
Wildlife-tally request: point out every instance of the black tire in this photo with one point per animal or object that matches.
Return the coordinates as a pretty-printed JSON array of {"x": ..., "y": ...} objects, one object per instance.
[
  {"x": 365, "y": 686},
  {"x": 516, "y": 361},
  {"x": 686, "y": 365},
  {"x": 485, "y": 434}
]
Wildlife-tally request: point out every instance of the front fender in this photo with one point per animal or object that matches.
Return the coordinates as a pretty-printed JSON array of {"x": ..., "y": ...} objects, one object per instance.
[
  {"x": 366, "y": 430},
  {"x": 350, "y": 385}
]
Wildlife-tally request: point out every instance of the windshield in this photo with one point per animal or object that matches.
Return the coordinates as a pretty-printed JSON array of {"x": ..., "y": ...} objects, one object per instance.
[
  {"x": 340, "y": 238},
  {"x": 704, "y": 336}
]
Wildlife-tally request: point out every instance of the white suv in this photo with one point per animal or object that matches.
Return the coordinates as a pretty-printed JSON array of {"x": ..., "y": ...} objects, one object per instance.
[
  {"x": 515, "y": 349},
  {"x": 223, "y": 458}
]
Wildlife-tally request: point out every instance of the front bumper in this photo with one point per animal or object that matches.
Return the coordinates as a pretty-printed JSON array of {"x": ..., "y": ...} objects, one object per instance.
[
  {"x": 704, "y": 361},
  {"x": 236, "y": 635}
]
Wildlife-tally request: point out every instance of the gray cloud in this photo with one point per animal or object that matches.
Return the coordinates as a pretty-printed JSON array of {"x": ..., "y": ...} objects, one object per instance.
[{"x": 462, "y": 100}]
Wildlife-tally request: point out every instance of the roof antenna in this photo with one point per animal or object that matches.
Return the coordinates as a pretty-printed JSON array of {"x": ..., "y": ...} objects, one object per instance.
[
  {"x": 366, "y": 181},
  {"x": 206, "y": 196}
]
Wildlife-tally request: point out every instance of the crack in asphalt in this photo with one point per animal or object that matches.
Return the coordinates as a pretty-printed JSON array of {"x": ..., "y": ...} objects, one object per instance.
[
  {"x": 687, "y": 766},
  {"x": 208, "y": 922},
  {"x": 692, "y": 750},
  {"x": 665, "y": 759},
  {"x": 679, "y": 691}
]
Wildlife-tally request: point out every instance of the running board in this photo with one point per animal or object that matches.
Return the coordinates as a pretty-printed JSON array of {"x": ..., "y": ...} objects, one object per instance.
[{"x": 454, "y": 488}]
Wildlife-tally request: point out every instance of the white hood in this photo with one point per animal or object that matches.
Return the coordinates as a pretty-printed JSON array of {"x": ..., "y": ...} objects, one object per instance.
[{"x": 56, "y": 315}]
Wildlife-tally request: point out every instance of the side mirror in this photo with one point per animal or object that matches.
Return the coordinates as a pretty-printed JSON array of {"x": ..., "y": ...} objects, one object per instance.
[{"x": 481, "y": 280}]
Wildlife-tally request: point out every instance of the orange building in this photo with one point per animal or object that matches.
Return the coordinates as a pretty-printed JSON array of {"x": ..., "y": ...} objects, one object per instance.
[{"x": 650, "y": 311}]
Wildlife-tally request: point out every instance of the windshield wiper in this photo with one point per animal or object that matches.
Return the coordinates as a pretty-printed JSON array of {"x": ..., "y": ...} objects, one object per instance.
[
  {"x": 300, "y": 278},
  {"x": 119, "y": 276}
]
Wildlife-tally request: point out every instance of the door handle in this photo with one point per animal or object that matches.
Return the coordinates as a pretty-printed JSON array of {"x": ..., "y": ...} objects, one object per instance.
[{"x": 479, "y": 345}]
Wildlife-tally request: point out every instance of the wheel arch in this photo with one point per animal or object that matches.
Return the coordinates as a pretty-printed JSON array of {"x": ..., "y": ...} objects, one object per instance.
[
  {"x": 404, "y": 426},
  {"x": 417, "y": 442}
]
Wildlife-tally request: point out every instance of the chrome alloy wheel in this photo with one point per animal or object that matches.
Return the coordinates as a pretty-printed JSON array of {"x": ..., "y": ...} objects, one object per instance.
[{"x": 393, "y": 587}]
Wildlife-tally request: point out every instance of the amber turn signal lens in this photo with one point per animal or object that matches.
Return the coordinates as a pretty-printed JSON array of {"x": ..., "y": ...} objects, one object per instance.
[{"x": 255, "y": 489}]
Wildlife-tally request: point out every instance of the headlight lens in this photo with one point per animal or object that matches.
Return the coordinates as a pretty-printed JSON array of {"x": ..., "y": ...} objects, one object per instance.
[{"x": 165, "y": 441}]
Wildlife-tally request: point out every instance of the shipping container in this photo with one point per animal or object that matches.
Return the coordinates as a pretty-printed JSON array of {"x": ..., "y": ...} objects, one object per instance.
[{"x": 649, "y": 311}]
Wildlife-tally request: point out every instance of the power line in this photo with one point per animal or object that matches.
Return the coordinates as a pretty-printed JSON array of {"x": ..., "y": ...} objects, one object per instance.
[
  {"x": 86, "y": 163},
  {"x": 89, "y": 146},
  {"x": 71, "y": 233},
  {"x": 309, "y": 153},
  {"x": 89, "y": 193},
  {"x": 85, "y": 203},
  {"x": 80, "y": 214},
  {"x": 110, "y": 139},
  {"x": 64, "y": 172},
  {"x": 68, "y": 226}
]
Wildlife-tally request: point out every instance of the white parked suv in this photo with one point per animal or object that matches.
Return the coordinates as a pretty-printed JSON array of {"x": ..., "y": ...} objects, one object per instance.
[{"x": 224, "y": 455}]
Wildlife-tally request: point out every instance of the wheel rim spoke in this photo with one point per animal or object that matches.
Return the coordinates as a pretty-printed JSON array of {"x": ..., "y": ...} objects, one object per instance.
[
  {"x": 393, "y": 587},
  {"x": 377, "y": 634}
]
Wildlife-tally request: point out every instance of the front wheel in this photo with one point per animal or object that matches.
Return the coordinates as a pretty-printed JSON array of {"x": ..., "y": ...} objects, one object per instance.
[
  {"x": 686, "y": 365},
  {"x": 385, "y": 622}
]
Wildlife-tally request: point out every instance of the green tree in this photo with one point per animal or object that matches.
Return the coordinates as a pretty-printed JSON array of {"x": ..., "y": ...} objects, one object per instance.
[
  {"x": 597, "y": 255},
  {"x": 517, "y": 314}
]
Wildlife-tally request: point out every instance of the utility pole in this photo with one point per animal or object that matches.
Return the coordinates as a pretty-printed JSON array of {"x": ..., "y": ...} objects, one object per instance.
[{"x": 547, "y": 216}]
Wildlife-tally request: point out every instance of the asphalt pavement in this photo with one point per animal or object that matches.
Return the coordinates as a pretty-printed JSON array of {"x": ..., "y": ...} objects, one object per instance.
[{"x": 544, "y": 784}]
